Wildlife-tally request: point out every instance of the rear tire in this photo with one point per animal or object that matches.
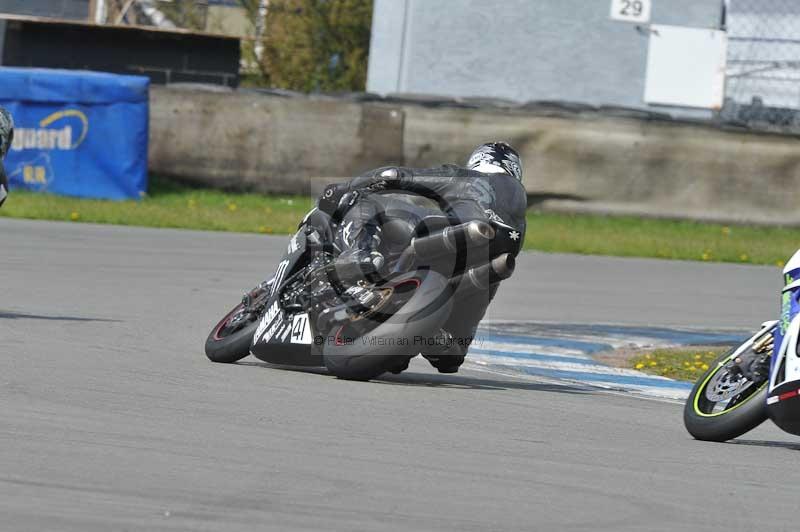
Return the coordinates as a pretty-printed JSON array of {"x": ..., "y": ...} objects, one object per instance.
[
  {"x": 749, "y": 411},
  {"x": 413, "y": 313},
  {"x": 230, "y": 348}
]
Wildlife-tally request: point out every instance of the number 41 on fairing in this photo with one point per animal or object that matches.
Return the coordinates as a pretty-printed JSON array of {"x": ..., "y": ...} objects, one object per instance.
[{"x": 637, "y": 11}]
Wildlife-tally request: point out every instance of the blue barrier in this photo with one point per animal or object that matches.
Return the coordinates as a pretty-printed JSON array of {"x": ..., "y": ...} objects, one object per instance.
[{"x": 77, "y": 133}]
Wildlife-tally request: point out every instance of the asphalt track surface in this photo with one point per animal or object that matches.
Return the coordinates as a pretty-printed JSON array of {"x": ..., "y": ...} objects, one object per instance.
[{"x": 113, "y": 419}]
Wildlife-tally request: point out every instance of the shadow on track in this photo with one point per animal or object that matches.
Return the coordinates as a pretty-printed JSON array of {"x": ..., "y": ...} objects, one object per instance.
[
  {"x": 7, "y": 315},
  {"x": 411, "y": 378},
  {"x": 763, "y": 443},
  {"x": 477, "y": 383}
]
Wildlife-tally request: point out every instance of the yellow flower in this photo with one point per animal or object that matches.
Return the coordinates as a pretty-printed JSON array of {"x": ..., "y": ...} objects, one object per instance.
[
  {"x": 743, "y": 257},
  {"x": 639, "y": 365},
  {"x": 697, "y": 357},
  {"x": 262, "y": 229},
  {"x": 75, "y": 216},
  {"x": 705, "y": 366},
  {"x": 780, "y": 264},
  {"x": 653, "y": 363},
  {"x": 726, "y": 231},
  {"x": 232, "y": 207},
  {"x": 706, "y": 255},
  {"x": 647, "y": 355}
]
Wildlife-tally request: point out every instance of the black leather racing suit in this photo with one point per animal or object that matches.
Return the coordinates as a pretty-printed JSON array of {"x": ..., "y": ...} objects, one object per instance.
[
  {"x": 3, "y": 184},
  {"x": 6, "y": 137},
  {"x": 463, "y": 195}
]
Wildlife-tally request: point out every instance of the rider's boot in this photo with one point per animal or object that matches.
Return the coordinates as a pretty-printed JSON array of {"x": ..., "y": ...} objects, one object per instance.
[
  {"x": 446, "y": 355},
  {"x": 400, "y": 366}
]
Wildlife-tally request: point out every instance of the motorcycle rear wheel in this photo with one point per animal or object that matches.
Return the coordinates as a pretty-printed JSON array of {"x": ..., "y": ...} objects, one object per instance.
[
  {"x": 417, "y": 308},
  {"x": 741, "y": 406}
]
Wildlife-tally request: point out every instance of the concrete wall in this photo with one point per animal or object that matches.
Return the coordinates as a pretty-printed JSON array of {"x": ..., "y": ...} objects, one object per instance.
[
  {"x": 574, "y": 161},
  {"x": 608, "y": 164},
  {"x": 520, "y": 50},
  {"x": 271, "y": 144}
]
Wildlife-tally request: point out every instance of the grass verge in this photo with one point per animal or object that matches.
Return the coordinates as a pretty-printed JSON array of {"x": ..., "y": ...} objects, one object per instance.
[
  {"x": 685, "y": 364},
  {"x": 169, "y": 205},
  {"x": 173, "y": 205},
  {"x": 629, "y": 236}
]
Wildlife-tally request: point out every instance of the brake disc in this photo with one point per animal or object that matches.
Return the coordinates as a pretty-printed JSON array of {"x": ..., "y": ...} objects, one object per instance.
[{"x": 726, "y": 384}]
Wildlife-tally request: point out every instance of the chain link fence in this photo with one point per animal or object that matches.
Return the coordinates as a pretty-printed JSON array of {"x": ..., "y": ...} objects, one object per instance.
[{"x": 763, "y": 72}]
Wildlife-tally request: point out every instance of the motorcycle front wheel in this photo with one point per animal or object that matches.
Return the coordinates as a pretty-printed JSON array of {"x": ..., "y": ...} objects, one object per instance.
[
  {"x": 724, "y": 404},
  {"x": 229, "y": 341}
]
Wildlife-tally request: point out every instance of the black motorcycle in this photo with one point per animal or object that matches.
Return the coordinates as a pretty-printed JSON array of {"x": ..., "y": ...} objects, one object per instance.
[{"x": 317, "y": 310}]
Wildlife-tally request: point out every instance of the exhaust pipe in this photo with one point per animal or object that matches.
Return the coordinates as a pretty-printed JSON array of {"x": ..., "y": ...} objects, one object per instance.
[
  {"x": 482, "y": 277},
  {"x": 476, "y": 233}
]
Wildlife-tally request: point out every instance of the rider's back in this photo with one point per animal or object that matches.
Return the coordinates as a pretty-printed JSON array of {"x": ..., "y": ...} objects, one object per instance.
[{"x": 464, "y": 193}]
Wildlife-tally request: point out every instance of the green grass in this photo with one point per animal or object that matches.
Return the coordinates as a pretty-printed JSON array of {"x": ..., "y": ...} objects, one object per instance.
[
  {"x": 686, "y": 364},
  {"x": 630, "y": 236},
  {"x": 172, "y": 205},
  {"x": 169, "y": 205}
]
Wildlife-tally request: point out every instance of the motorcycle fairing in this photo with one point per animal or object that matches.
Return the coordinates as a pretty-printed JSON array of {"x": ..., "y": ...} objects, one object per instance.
[
  {"x": 783, "y": 397},
  {"x": 277, "y": 326},
  {"x": 789, "y": 300}
]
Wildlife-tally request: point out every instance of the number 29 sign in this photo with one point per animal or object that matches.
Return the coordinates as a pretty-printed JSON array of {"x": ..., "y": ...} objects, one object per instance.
[{"x": 631, "y": 10}]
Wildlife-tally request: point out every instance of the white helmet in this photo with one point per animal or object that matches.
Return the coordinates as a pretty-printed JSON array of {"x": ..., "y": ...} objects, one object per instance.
[{"x": 496, "y": 158}]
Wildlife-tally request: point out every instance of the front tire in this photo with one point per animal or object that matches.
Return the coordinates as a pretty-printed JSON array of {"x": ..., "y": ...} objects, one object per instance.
[
  {"x": 741, "y": 406},
  {"x": 227, "y": 344}
]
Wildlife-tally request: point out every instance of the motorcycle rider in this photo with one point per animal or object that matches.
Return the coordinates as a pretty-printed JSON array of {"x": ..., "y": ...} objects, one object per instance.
[
  {"x": 488, "y": 188},
  {"x": 6, "y": 137}
]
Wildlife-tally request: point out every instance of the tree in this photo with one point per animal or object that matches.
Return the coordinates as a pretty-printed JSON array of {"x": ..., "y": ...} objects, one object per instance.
[{"x": 315, "y": 45}]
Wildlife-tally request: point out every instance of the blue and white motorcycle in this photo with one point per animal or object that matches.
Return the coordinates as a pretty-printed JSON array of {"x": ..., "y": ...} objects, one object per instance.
[{"x": 756, "y": 381}]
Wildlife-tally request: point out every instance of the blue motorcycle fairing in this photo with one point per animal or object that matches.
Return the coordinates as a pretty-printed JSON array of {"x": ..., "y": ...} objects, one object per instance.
[{"x": 783, "y": 397}]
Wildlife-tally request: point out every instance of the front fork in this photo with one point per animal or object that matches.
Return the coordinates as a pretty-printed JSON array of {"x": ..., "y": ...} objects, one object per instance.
[
  {"x": 253, "y": 303},
  {"x": 754, "y": 363}
]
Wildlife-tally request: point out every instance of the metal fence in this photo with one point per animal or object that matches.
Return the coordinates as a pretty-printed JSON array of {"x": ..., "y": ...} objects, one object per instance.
[{"x": 763, "y": 73}]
